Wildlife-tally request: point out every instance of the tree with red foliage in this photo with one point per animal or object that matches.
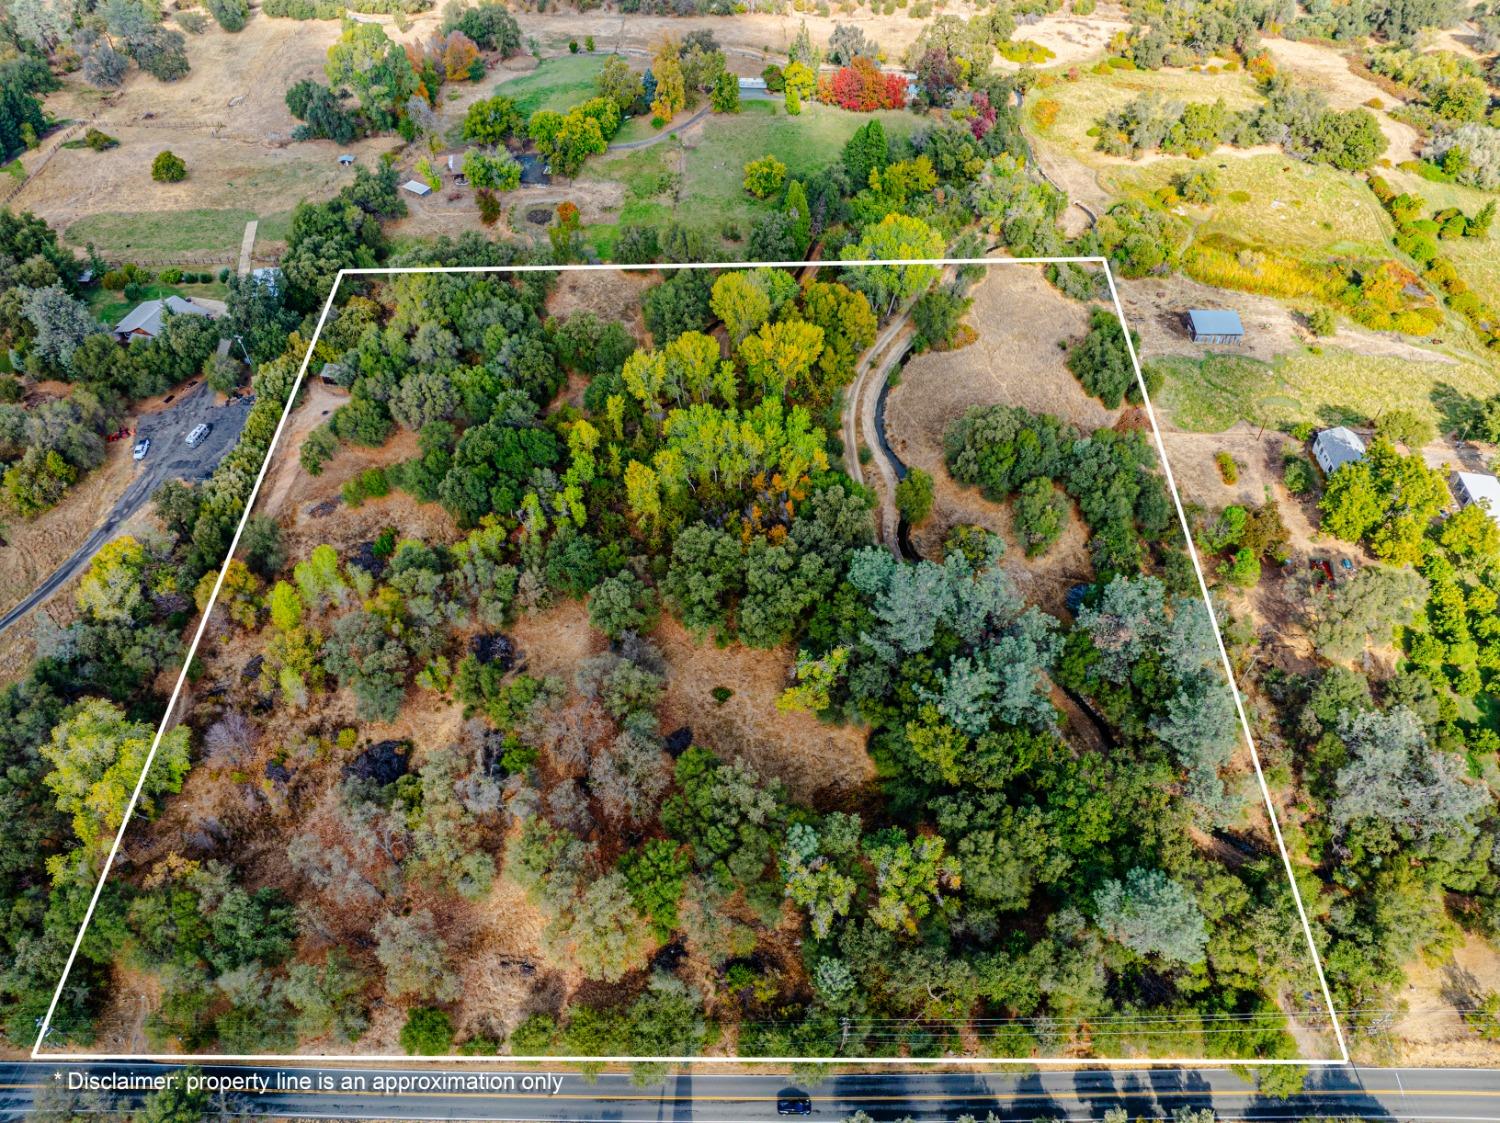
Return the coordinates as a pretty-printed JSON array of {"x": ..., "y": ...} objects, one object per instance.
[
  {"x": 937, "y": 74},
  {"x": 984, "y": 116},
  {"x": 861, "y": 86}
]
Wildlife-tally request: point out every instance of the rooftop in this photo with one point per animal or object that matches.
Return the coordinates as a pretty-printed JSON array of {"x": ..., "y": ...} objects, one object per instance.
[
  {"x": 1483, "y": 490},
  {"x": 1339, "y": 446},
  {"x": 147, "y": 316},
  {"x": 1213, "y": 321}
]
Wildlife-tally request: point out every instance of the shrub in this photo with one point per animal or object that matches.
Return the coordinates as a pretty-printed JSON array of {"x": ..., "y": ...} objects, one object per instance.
[
  {"x": 1229, "y": 471},
  {"x": 99, "y": 141},
  {"x": 231, "y": 14},
  {"x": 428, "y": 1032},
  {"x": 168, "y": 167},
  {"x": 1321, "y": 321},
  {"x": 764, "y": 177},
  {"x": 914, "y": 496},
  {"x": 372, "y": 483},
  {"x": 1297, "y": 473},
  {"x": 171, "y": 276}
]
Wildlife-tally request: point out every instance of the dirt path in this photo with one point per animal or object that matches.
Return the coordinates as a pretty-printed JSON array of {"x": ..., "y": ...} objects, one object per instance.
[
  {"x": 855, "y": 417},
  {"x": 665, "y": 134}
]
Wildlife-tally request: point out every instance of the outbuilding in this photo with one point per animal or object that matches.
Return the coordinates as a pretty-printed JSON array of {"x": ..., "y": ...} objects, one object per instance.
[
  {"x": 346, "y": 158},
  {"x": 1333, "y": 448},
  {"x": 416, "y": 187},
  {"x": 1478, "y": 489},
  {"x": 1212, "y": 325}
]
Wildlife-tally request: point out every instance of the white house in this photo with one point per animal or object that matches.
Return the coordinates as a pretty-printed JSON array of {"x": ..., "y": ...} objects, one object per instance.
[
  {"x": 1333, "y": 448},
  {"x": 1478, "y": 489},
  {"x": 145, "y": 320}
]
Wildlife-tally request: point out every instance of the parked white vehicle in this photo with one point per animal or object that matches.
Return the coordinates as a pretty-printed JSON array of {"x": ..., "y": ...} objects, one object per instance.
[{"x": 196, "y": 437}]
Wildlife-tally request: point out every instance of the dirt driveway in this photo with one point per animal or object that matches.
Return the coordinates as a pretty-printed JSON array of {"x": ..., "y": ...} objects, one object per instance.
[{"x": 168, "y": 459}]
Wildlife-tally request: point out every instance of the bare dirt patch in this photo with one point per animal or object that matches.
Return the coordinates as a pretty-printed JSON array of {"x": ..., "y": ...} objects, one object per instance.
[
  {"x": 1070, "y": 38},
  {"x": 820, "y": 764},
  {"x": 750, "y": 39},
  {"x": 1431, "y": 1032},
  {"x": 612, "y": 295},
  {"x": 1156, "y": 307}
]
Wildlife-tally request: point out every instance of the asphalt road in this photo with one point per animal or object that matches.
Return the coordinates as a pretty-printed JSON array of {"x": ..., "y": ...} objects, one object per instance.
[
  {"x": 169, "y": 459},
  {"x": 1441, "y": 1095}
]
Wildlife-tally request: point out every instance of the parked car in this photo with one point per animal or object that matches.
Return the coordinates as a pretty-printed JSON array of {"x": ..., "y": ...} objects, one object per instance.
[
  {"x": 794, "y": 1105},
  {"x": 142, "y": 447},
  {"x": 197, "y": 436}
]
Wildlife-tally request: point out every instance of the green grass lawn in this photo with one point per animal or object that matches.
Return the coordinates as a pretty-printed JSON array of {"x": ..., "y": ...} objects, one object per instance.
[
  {"x": 1275, "y": 202},
  {"x": 110, "y": 308},
  {"x": 712, "y": 179},
  {"x": 1335, "y": 387},
  {"x": 119, "y": 233},
  {"x": 274, "y": 227},
  {"x": 558, "y": 83}
]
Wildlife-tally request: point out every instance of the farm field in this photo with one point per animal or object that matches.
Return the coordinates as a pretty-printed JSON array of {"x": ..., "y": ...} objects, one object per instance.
[
  {"x": 1270, "y": 201},
  {"x": 127, "y": 235},
  {"x": 1335, "y": 387}
]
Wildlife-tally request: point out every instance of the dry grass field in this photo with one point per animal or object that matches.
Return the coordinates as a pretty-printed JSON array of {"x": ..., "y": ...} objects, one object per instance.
[{"x": 1023, "y": 325}]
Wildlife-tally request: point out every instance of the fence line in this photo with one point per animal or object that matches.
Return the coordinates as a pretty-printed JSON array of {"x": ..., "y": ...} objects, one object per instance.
[{"x": 52, "y": 146}]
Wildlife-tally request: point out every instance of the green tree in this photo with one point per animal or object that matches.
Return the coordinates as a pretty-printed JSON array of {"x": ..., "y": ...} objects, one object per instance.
[
  {"x": 168, "y": 168},
  {"x": 914, "y": 496},
  {"x": 428, "y": 1032},
  {"x": 97, "y": 756},
  {"x": 797, "y": 210},
  {"x": 619, "y": 83},
  {"x": 740, "y": 303},
  {"x": 1100, "y": 361},
  {"x": 896, "y": 237},
  {"x": 493, "y": 121},
  {"x": 1152, "y": 914},
  {"x": 622, "y": 603},
  {"x": 764, "y": 177}
]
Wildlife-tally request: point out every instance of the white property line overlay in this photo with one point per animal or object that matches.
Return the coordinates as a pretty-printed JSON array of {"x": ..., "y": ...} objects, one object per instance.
[{"x": 1071, "y": 1062}]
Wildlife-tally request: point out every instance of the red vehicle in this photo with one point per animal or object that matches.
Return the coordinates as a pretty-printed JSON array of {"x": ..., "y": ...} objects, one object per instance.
[{"x": 118, "y": 435}]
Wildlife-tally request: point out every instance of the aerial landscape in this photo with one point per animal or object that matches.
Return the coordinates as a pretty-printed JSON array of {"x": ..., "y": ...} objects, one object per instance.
[{"x": 630, "y": 650}]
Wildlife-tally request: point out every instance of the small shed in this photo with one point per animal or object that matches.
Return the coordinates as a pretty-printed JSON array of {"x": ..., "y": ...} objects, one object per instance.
[
  {"x": 416, "y": 187},
  {"x": 1478, "y": 489},
  {"x": 1333, "y": 448},
  {"x": 1211, "y": 325},
  {"x": 346, "y": 158}
]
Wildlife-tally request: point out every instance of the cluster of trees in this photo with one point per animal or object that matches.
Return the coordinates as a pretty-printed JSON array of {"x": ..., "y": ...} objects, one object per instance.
[
  {"x": 1110, "y": 475},
  {"x": 1294, "y": 117},
  {"x": 1420, "y": 235},
  {"x": 22, "y": 78},
  {"x": 1469, "y": 154},
  {"x": 1452, "y": 88},
  {"x": 130, "y": 30}
]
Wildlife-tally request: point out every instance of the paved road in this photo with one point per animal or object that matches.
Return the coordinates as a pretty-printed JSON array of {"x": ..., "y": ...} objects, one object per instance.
[
  {"x": 169, "y": 458},
  {"x": 1467, "y": 1095}
]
